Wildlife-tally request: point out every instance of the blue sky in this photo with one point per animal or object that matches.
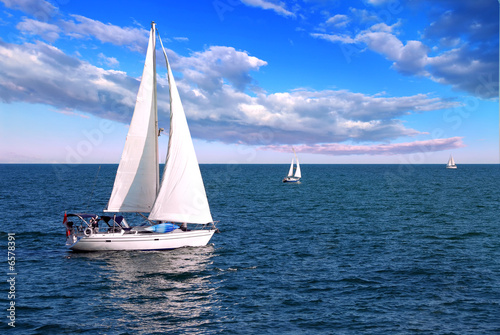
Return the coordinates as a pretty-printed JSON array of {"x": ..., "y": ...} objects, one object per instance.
[{"x": 368, "y": 81}]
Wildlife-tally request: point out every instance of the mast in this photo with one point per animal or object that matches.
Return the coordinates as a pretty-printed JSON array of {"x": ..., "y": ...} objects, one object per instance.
[
  {"x": 155, "y": 107},
  {"x": 182, "y": 196}
]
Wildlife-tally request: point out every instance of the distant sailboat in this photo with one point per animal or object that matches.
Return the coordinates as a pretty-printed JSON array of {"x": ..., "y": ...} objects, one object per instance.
[
  {"x": 293, "y": 177},
  {"x": 451, "y": 163},
  {"x": 179, "y": 213}
]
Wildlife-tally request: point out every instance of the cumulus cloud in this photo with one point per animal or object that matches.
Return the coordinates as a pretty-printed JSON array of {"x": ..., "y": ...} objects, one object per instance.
[
  {"x": 209, "y": 68},
  {"x": 410, "y": 58},
  {"x": 81, "y": 27},
  {"x": 41, "y": 73},
  {"x": 467, "y": 55},
  {"x": 476, "y": 21},
  {"x": 463, "y": 49},
  {"x": 221, "y": 99},
  {"x": 301, "y": 116},
  {"x": 213, "y": 87},
  {"x": 462, "y": 69}
]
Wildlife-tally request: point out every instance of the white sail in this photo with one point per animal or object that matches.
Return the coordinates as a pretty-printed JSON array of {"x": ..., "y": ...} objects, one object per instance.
[
  {"x": 297, "y": 171},
  {"x": 182, "y": 196},
  {"x": 290, "y": 172},
  {"x": 137, "y": 178},
  {"x": 451, "y": 161}
]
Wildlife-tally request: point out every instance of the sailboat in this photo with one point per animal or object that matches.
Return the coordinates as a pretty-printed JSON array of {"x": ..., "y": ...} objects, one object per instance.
[
  {"x": 293, "y": 177},
  {"x": 177, "y": 209},
  {"x": 451, "y": 163}
]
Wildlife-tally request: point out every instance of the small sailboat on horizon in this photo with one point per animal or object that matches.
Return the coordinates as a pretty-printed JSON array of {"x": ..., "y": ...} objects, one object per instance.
[
  {"x": 293, "y": 177},
  {"x": 451, "y": 163},
  {"x": 176, "y": 208}
]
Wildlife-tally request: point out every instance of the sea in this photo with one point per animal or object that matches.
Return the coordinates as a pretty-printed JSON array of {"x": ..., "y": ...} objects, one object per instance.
[{"x": 352, "y": 249}]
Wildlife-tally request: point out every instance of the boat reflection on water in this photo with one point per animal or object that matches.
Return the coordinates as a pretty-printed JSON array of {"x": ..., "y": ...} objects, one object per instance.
[{"x": 155, "y": 291}]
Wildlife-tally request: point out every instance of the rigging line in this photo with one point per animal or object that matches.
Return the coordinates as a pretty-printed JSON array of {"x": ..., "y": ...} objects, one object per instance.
[
  {"x": 146, "y": 218},
  {"x": 93, "y": 186}
]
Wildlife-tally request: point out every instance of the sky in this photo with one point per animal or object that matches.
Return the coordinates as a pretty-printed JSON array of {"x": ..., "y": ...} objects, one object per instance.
[{"x": 367, "y": 81}]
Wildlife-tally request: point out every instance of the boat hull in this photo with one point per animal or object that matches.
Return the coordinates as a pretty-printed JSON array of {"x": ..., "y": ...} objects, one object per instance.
[
  {"x": 291, "y": 180},
  {"x": 119, "y": 241},
  {"x": 451, "y": 167}
]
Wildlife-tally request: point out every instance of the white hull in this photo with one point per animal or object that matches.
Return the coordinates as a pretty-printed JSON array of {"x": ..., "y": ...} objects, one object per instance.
[
  {"x": 451, "y": 167},
  {"x": 123, "y": 241}
]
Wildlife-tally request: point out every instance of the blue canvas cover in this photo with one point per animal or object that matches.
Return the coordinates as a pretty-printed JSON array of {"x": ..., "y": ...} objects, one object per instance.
[{"x": 163, "y": 227}]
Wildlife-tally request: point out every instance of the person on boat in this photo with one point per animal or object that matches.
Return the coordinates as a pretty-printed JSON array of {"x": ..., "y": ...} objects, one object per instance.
[{"x": 94, "y": 224}]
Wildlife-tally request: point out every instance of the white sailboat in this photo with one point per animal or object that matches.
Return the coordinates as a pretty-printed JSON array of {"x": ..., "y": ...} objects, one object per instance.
[
  {"x": 451, "y": 163},
  {"x": 179, "y": 213},
  {"x": 293, "y": 177}
]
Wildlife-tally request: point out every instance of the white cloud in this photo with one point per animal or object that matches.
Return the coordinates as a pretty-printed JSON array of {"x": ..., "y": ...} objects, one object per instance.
[
  {"x": 181, "y": 39},
  {"x": 47, "y": 31},
  {"x": 408, "y": 59},
  {"x": 338, "y": 21},
  {"x": 82, "y": 27},
  {"x": 40, "y": 9},
  {"x": 210, "y": 68},
  {"x": 109, "y": 61},
  {"x": 378, "y": 2},
  {"x": 304, "y": 116},
  {"x": 335, "y": 38},
  {"x": 278, "y": 7},
  {"x": 213, "y": 89},
  {"x": 40, "y": 73},
  {"x": 471, "y": 29}
]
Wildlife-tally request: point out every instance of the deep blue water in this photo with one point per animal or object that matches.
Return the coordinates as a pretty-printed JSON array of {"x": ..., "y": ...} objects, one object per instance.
[{"x": 353, "y": 249}]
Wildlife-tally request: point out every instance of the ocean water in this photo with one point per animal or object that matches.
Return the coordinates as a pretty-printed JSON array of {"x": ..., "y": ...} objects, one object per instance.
[{"x": 353, "y": 249}]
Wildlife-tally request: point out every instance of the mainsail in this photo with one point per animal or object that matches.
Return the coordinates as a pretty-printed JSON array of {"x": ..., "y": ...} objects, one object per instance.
[
  {"x": 137, "y": 178},
  {"x": 290, "y": 172},
  {"x": 451, "y": 161},
  {"x": 182, "y": 196},
  {"x": 297, "y": 171}
]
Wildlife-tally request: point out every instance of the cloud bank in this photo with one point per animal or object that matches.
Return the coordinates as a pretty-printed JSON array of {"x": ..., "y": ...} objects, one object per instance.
[
  {"x": 459, "y": 47},
  {"x": 221, "y": 98},
  {"x": 379, "y": 149},
  {"x": 214, "y": 87}
]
